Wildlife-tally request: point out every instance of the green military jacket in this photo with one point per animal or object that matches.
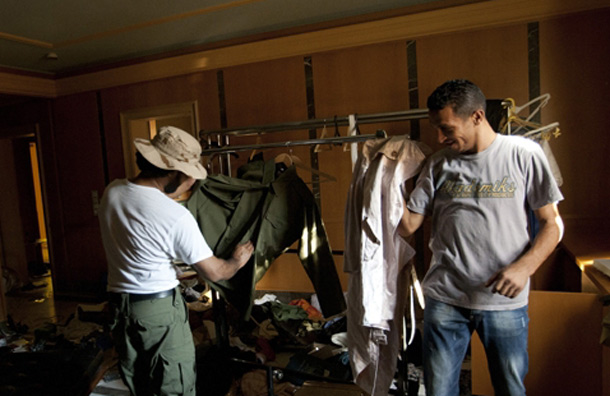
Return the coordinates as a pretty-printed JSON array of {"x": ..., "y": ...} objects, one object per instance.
[{"x": 273, "y": 211}]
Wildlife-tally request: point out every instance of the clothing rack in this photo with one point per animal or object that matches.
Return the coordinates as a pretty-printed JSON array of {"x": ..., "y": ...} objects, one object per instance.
[
  {"x": 222, "y": 146},
  {"x": 318, "y": 123},
  {"x": 309, "y": 142}
]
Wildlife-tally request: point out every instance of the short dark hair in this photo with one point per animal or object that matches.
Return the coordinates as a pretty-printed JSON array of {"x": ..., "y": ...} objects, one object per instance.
[
  {"x": 463, "y": 96},
  {"x": 148, "y": 169}
]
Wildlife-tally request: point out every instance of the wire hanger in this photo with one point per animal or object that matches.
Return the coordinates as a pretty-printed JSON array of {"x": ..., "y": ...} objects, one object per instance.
[{"x": 290, "y": 159}]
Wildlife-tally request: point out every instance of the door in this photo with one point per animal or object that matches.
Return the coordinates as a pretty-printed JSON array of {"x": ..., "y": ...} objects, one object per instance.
[{"x": 23, "y": 247}]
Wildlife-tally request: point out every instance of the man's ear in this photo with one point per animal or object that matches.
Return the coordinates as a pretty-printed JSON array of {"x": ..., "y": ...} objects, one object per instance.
[
  {"x": 174, "y": 174},
  {"x": 478, "y": 116}
]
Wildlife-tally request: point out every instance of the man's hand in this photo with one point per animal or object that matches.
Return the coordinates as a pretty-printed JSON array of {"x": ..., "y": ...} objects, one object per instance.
[
  {"x": 242, "y": 254},
  {"x": 509, "y": 281},
  {"x": 216, "y": 269}
]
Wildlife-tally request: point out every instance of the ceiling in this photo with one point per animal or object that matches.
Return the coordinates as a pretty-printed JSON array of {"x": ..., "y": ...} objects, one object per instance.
[{"x": 63, "y": 37}]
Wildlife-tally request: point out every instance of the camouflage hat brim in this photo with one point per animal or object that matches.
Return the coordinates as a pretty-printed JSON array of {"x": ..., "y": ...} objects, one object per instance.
[{"x": 192, "y": 168}]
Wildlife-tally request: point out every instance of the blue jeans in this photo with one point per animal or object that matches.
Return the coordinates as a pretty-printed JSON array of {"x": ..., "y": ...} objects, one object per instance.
[{"x": 447, "y": 332}]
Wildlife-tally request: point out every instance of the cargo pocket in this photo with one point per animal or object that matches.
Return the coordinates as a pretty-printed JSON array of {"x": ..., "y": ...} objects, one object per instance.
[{"x": 174, "y": 372}]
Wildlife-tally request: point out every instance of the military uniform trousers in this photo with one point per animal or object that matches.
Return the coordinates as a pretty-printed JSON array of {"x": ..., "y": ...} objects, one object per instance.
[{"x": 154, "y": 343}]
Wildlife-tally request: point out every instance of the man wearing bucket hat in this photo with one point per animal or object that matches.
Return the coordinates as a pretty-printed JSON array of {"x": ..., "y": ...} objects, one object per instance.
[{"x": 143, "y": 231}]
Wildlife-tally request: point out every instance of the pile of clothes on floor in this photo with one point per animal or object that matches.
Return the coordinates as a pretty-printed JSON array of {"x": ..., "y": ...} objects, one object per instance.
[
  {"x": 53, "y": 359},
  {"x": 283, "y": 344}
]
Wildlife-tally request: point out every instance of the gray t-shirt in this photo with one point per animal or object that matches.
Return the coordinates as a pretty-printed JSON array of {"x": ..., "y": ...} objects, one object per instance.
[{"x": 478, "y": 203}]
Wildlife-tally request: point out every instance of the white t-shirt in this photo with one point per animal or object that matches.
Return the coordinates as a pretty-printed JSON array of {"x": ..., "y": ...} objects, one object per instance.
[
  {"x": 479, "y": 217},
  {"x": 143, "y": 230}
]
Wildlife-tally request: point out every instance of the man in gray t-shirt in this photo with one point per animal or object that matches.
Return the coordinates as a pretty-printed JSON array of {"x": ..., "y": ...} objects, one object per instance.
[{"x": 478, "y": 191}]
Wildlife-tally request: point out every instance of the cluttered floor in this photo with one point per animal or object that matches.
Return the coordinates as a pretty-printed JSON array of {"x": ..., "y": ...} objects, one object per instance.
[{"x": 50, "y": 346}]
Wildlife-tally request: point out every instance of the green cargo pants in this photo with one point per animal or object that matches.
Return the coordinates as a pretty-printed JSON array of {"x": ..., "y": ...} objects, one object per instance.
[{"x": 155, "y": 345}]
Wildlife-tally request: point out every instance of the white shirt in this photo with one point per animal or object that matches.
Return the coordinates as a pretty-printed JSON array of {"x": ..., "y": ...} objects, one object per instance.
[
  {"x": 376, "y": 258},
  {"x": 143, "y": 230}
]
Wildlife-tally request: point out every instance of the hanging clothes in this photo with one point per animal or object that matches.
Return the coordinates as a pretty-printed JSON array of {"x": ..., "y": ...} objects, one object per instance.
[
  {"x": 273, "y": 212},
  {"x": 377, "y": 258}
]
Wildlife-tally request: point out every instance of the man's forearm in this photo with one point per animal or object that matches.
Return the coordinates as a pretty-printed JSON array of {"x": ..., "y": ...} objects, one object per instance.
[
  {"x": 216, "y": 269},
  {"x": 409, "y": 223},
  {"x": 549, "y": 235},
  {"x": 511, "y": 280}
]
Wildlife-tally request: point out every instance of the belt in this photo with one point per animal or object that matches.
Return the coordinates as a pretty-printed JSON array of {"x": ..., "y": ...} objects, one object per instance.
[{"x": 143, "y": 297}]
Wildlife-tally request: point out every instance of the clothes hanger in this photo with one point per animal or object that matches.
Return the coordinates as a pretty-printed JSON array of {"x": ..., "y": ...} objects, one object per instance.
[
  {"x": 318, "y": 147},
  {"x": 543, "y": 99},
  {"x": 514, "y": 121},
  {"x": 253, "y": 153},
  {"x": 337, "y": 134},
  {"x": 352, "y": 130},
  {"x": 545, "y": 131},
  {"x": 531, "y": 129},
  {"x": 524, "y": 122},
  {"x": 289, "y": 159}
]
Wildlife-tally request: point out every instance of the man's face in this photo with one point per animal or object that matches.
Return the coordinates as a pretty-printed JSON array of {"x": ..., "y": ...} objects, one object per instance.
[
  {"x": 178, "y": 185},
  {"x": 454, "y": 131}
]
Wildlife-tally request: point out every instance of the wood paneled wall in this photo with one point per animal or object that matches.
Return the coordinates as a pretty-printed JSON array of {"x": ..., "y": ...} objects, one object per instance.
[
  {"x": 201, "y": 87},
  {"x": 574, "y": 61},
  {"x": 80, "y": 171},
  {"x": 494, "y": 59}
]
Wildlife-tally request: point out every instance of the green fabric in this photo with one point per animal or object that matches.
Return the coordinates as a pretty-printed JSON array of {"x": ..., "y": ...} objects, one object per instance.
[
  {"x": 283, "y": 312},
  {"x": 273, "y": 213},
  {"x": 155, "y": 346}
]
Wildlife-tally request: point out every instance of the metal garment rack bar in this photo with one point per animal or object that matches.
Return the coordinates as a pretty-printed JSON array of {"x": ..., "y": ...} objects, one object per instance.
[
  {"x": 309, "y": 142},
  {"x": 318, "y": 123}
]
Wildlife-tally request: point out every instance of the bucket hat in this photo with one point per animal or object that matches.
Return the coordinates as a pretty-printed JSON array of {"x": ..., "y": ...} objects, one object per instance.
[{"x": 173, "y": 149}]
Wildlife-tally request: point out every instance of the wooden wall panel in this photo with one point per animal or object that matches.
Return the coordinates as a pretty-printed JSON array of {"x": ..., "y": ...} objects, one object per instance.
[
  {"x": 80, "y": 171},
  {"x": 201, "y": 87},
  {"x": 364, "y": 80},
  {"x": 267, "y": 93},
  {"x": 574, "y": 61},
  {"x": 494, "y": 59}
]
